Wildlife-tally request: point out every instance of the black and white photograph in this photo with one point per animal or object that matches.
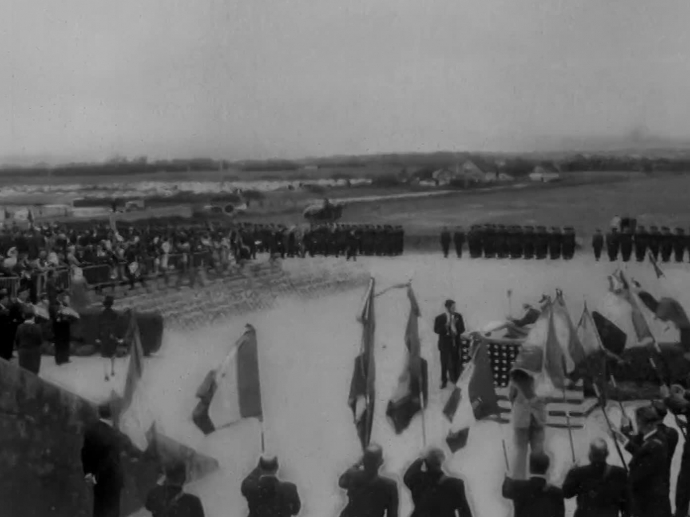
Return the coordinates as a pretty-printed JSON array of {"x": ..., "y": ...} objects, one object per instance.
[{"x": 384, "y": 258}]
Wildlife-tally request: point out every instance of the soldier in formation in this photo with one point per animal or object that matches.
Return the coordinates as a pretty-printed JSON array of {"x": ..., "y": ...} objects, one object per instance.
[
  {"x": 514, "y": 242},
  {"x": 664, "y": 244}
]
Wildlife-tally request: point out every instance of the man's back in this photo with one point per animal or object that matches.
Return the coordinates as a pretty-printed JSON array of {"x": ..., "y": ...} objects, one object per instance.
[
  {"x": 369, "y": 495},
  {"x": 601, "y": 490},
  {"x": 534, "y": 497},
  {"x": 170, "y": 501},
  {"x": 435, "y": 494},
  {"x": 269, "y": 497}
]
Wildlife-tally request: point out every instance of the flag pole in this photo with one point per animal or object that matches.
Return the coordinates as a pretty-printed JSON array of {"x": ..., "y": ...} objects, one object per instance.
[
  {"x": 610, "y": 426},
  {"x": 421, "y": 397},
  {"x": 615, "y": 387},
  {"x": 567, "y": 411}
]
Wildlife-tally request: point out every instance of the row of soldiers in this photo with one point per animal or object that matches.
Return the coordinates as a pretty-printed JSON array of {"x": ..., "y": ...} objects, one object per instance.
[
  {"x": 349, "y": 240},
  {"x": 500, "y": 241},
  {"x": 662, "y": 243}
]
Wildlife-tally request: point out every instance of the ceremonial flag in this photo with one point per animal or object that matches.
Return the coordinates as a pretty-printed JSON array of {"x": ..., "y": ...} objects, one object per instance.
[
  {"x": 592, "y": 347},
  {"x": 233, "y": 391},
  {"x": 554, "y": 358},
  {"x": 612, "y": 337},
  {"x": 362, "y": 388},
  {"x": 642, "y": 330},
  {"x": 411, "y": 395},
  {"x": 566, "y": 334},
  {"x": 134, "y": 416},
  {"x": 480, "y": 402}
]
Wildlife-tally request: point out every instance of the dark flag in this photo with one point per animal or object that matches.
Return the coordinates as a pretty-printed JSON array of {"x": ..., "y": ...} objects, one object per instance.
[
  {"x": 362, "y": 388},
  {"x": 411, "y": 396},
  {"x": 477, "y": 382}
]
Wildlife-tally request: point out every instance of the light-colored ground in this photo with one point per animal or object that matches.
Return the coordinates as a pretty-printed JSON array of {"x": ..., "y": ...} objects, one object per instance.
[{"x": 306, "y": 353}]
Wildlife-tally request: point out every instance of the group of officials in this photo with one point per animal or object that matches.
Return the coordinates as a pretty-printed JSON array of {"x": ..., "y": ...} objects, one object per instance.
[
  {"x": 500, "y": 241},
  {"x": 638, "y": 241}
]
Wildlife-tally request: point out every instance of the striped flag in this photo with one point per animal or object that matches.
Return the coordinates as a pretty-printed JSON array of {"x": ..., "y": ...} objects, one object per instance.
[
  {"x": 481, "y": 402},
  {"x": 233, "y": 391},
  {"x": 363, "y": 386},
  {"x": 594, "y": 363},
  {"x": 412, "y": 393},
  {"x": 574, "y": 352},
  {"x": 642, "y": 330},
  {"x": 134, "y": 416}
]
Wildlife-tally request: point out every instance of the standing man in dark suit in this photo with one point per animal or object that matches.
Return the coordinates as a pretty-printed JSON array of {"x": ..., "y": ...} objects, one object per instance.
[
  {"x": 445, "y": 241},
  {"x": 266, "y": 494},
  {"x": 101, "y": 458},
  {"x": 613, "y": 244},
  {"x": 434, "y": 493},
  {"x": 648, "y": 468},
  {"x": 534, "y": 496},
  {"x": 601, "y": 489},
  {"x": 6, "y": 328},
  {"x": 449, "y": 326},
  {"x": 597, "y": 244},
  {"x": 677, "y": 399},
  {"x": 368, "y": 492}
]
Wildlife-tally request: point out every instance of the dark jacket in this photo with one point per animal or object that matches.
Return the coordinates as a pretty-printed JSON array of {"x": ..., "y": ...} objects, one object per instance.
[
  {"x": 534, "y": 497},
  {"x": 435, "y": 494},
  {"x": 601, "y": 490},
  {"x": 171, "y": 501},
  {"x": 669, "y": 438},
  {"x": 29, "y": 337},
  {"x": 441, "y": 328},
  {"x": 268, "y": 497},
  {"x": 101, "y": 454},
  {"x": 369, "y": 495},
  {"x": 648, "y": 479}
]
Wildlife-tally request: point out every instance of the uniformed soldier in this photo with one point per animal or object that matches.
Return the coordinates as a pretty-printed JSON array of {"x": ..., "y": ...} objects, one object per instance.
[
  {"x": 666, "y": 244},
  {"x": 597, "y": 244},
  {"x": 626, "y": 244},
  {"x": 654, "y": 242},
  {"x": 569, "y": 243},
  {"x": 613, "y": 244},
  {"x": 542, "y": 242},
  {"x": 679, "y": 244},
  {"x": 516, "y": 243},
  {"x": 641, "y": 242},
  {"x": 445, "y": 241},
  {"x": 459, "y": 240},
  {"x": 489, "y": 241},
  {"x": 555, "y": 243},
  {"x": 528, "y": 242},
  {"x": 500, "y": 239}
]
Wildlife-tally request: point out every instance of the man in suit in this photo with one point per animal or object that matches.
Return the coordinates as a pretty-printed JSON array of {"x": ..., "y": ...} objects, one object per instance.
[
  {"x": 601, "y": 489},
  {"x": 368, "y": 492},
  {"x": 535, "y": 496},
  {"x": 648, "y": 468},
  {"x": 170, "y": 500},
  {"x": 102, "y": 463},
  {"x": 528, "y": 419},
  {"x": 459, "y": 240},
  {"x": 449, "y": 326},
  {"x": 434, "y": 493},
  {"x": 266, "y": 494}
]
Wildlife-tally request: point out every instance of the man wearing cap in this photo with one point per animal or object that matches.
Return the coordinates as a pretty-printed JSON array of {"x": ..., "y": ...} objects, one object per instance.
[
  {"x": 541, "y": 243},
  {"x": 449, "y": 326},
  {"x": 679, "y": 244},
  {"x": 613, "y": 244},
  {"x": 641, "y": 243},
  {"x": 648, "y": 468},
  {"x": 666, "y": 244},
  {"x": 654, "y": 242},
  {"x": 535, "y": 496},
  {"x": 597, "y": 244},
  {"x": 108, "y": 335},
  {"x": 266, "y": 494},
  {"x": 170, "y": 500},
  {"x": 445, "y": 241},
  {"x": 528, "y": 242},
  {"x": 101, "y": 458},
  {"x": 369, "y": 493},
  {"x": 626, "y": 244},
  {"x": 434, "y": 493},
  {"x": 601, "y": 489},
  {"x": 459, "y": 240},
  {"x": 555, "y": 243}
]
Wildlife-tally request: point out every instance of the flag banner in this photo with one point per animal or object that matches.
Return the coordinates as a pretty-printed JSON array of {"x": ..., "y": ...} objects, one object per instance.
[
  {"x": 612, "y": 337},
  {"x": 553, "y": 376},
  {"x": 233, "y": 391},
  {"x": 667, "y": 309},
  {"x": 567, "y": 335},
  {"x": 480, "y": 402},
  {"x": 134, "y": 416},
  {"x": 412, "y": 392},
  {"x": 642, "y": 330},
  {"x": 362, "y": 388},
  {"x": 594, "y": 364}
]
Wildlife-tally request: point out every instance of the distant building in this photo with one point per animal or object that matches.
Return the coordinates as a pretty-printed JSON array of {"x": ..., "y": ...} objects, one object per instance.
[{"x": 544, "y": 174}]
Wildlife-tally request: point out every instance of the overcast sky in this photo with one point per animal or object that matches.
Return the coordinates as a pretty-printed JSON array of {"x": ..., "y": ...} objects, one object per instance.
[{"x": 290, "y": 78}]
